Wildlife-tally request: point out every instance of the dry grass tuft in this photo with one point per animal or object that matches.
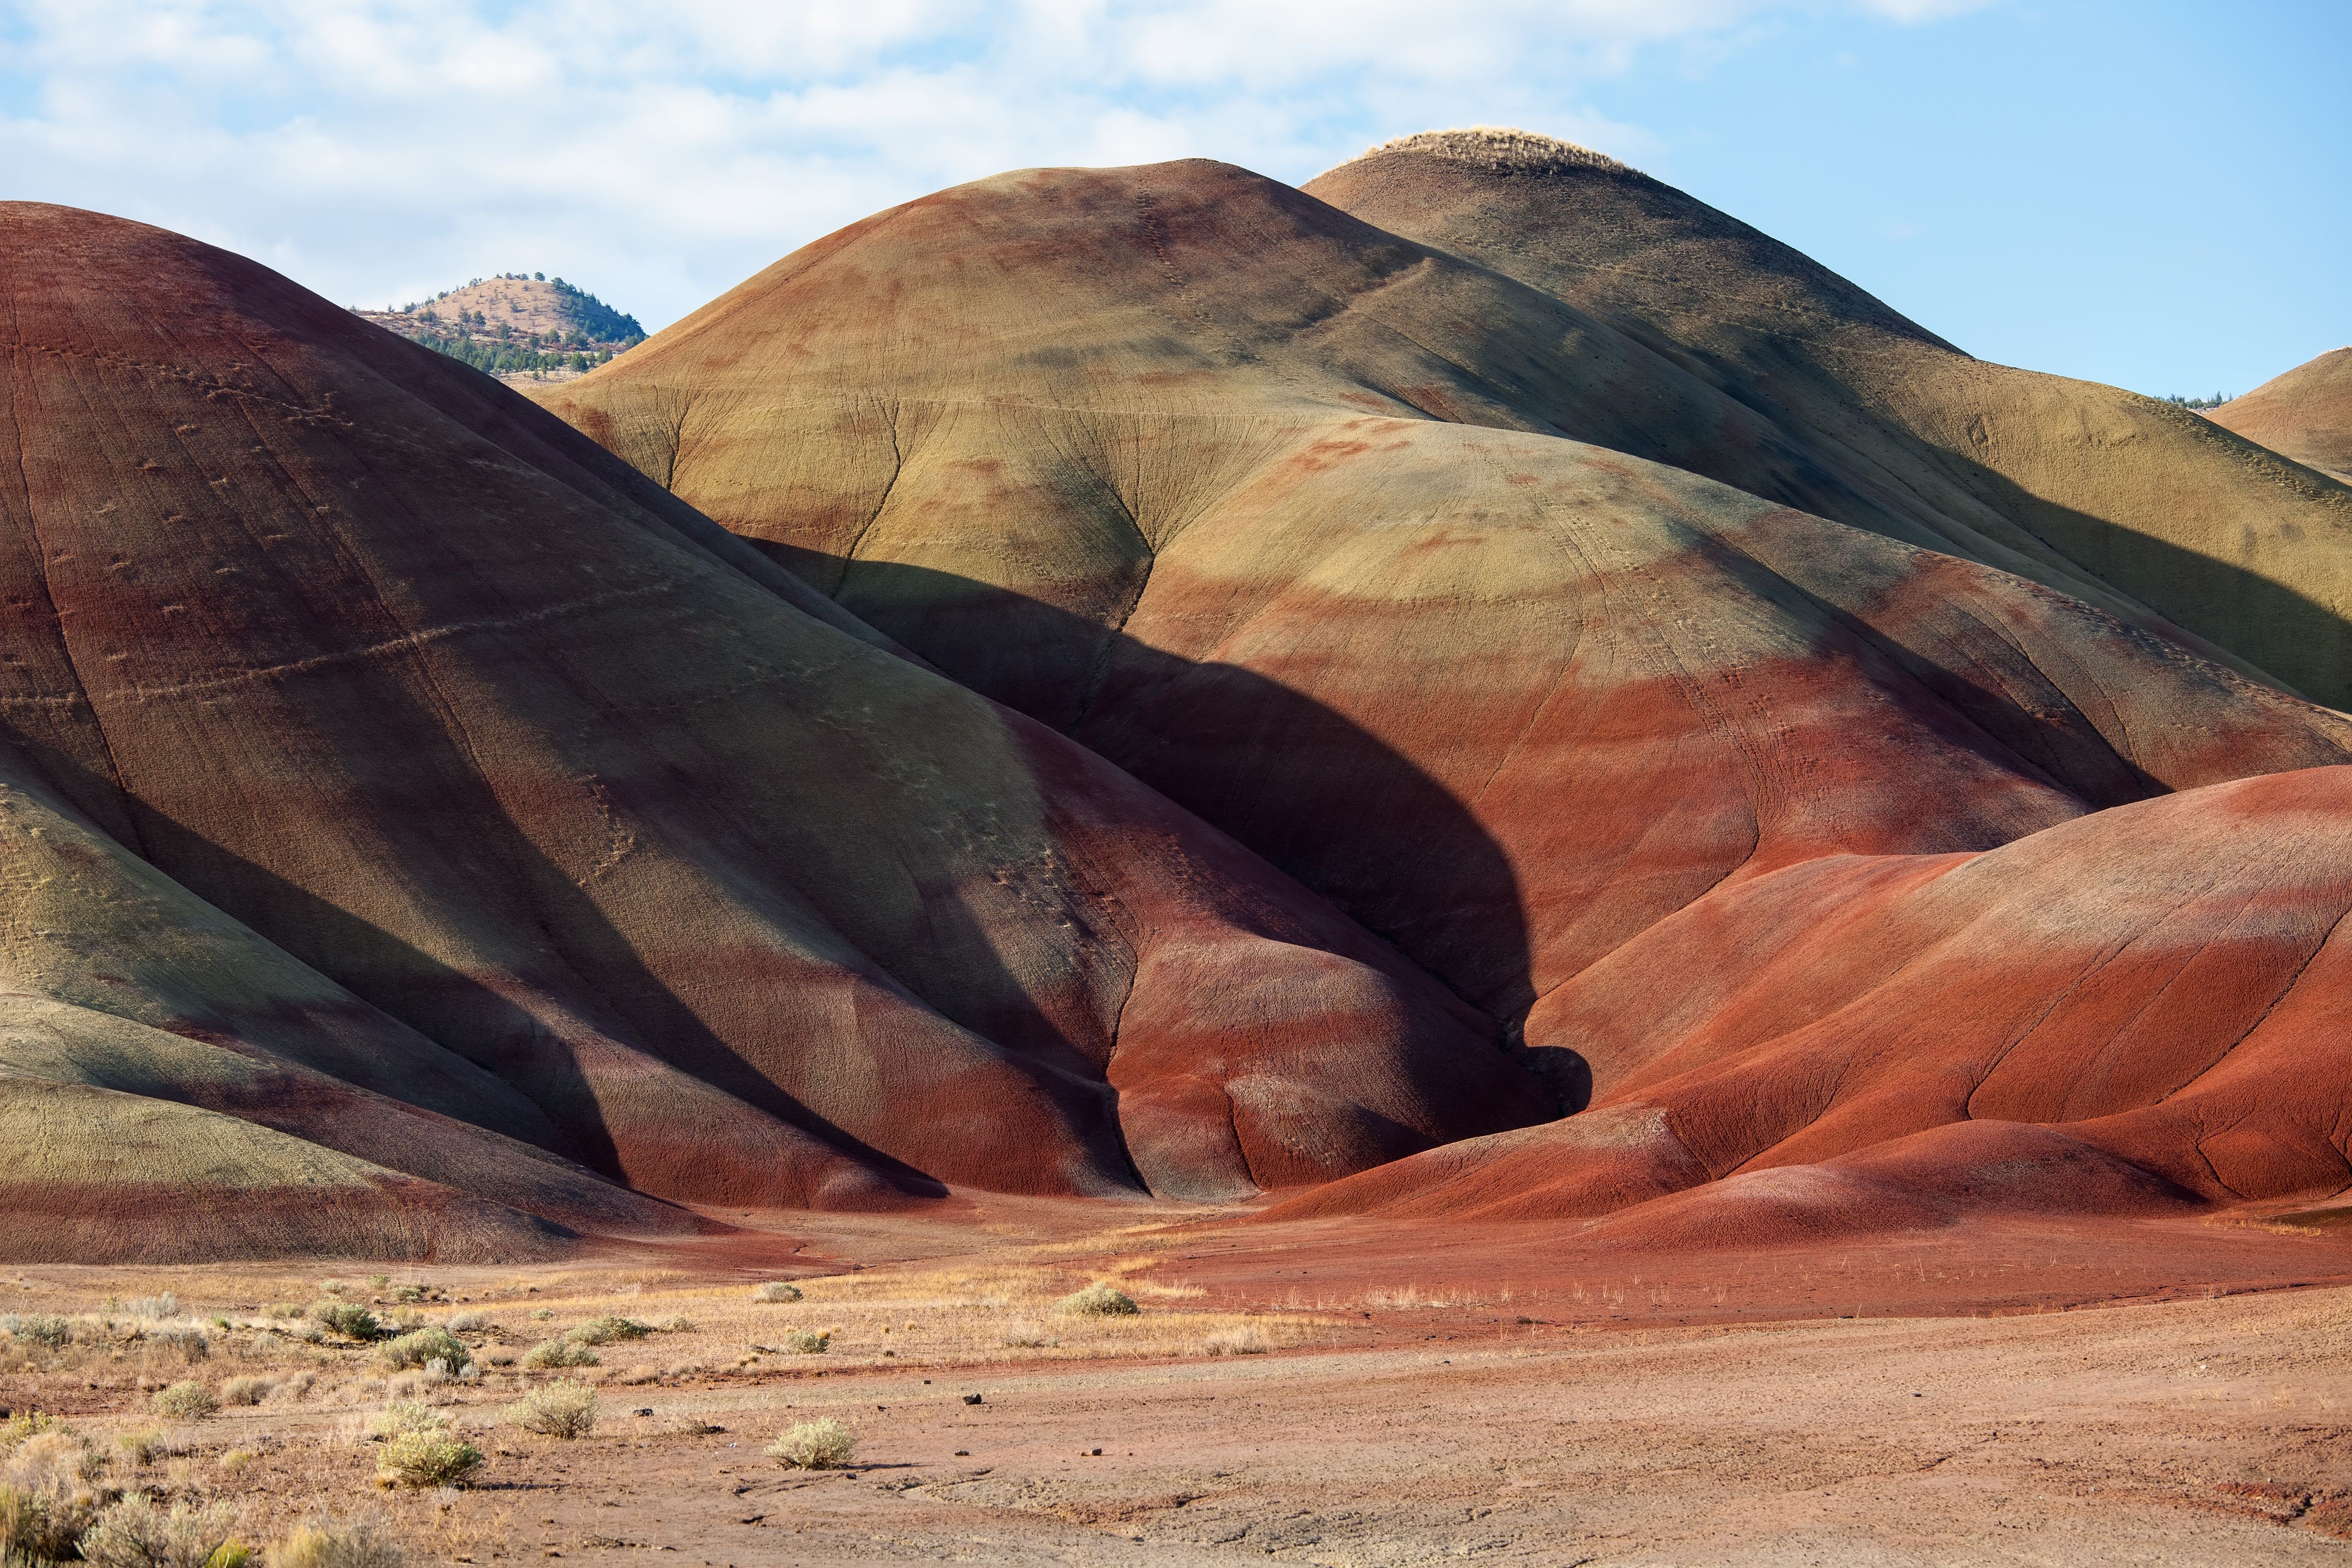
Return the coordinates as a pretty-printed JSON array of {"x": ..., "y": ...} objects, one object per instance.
[
  {"x": 776, "y": 1290},
  {"x": 146, "y": 1445},
  {"x": 1245, "y": 1339},
  {"x": 246, "y": 1389},
  {"x": 400, "y": 1417},
  {"x": 814, "y": 1446},
  {"x": 362, "y": 1543},
  {"x": 560, "y": 1352}
]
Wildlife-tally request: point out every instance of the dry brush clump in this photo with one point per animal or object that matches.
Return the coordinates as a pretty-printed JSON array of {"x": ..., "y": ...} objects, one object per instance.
[
  {"x": 776, "y": 1290},
  {"x": 605, "y": 1331},
  {"x": 400, "y": 1418},
  {"x": 1097, "y": 1300},
  {"x": 552, "y": 1354},
  {"x": 427, "y": 1458},
  {"x": 824, "y": 1445},
  {"x": 136, "y": 1533},
  {"x": 563, "y": 1409},
  {"x": 46, "y": 1330},
  {"x": 188, "y": 1400},
  {"x": 246, "y": 1389},
  {"x": 420, "y": 1346},
  {"x": 347, "y": 1318},
  {"x": 49, "y": 1487}
]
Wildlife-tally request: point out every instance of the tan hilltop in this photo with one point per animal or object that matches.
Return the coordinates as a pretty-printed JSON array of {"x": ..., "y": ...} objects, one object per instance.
[
  {"x": 2102, "y": 493},
  {"x": 2306, "y": 414}
]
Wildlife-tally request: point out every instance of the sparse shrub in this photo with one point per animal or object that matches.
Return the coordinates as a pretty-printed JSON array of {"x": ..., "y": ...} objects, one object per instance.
[
  {"x": 290, "y": 1390},
  {"x": 1027, "y": 1337},
  {"x": 135, "y": 1533},
  {"x": 190, "y": 1342},
  {"x": 678, "y": 1325},
  {"x": 47, "y": 1331},
  {"x": 413, "y": 1349},
  {"x": 1242, "y": 1341},
  {"x": 469, "y": 1323},
  {"x": 187, "y": 1399},
  {"x": 163, "y": 1306},
  {"x": 400, "y": 1417},
  {"x": 560, "y": 1352},
  {"x": 1097, "y": 1302},
  {"x": 35, "y": 1528},
  {"x": 776, "y": 1290},
  {"x": 801, "y": 1342},
  {"x": 604, "y": 1330},
  {"x": 47, "y": 1497},
  {"x": 421, "y": 1459},
  {"x": 146, "y": 1445},
  {"x": 362, "y": 1543},
  {"x": 246, "y": 1389},
  {"x": 409, "y": 1293},
  {"x": 231, "y": 1554},
  {"x": 235, "y": 1460},
  {"x": 53, "y": 1456},
  {"x": 541, "y": 1314},
  {"x": 26, "y": 1424},
  {"x": 814, "y": 1446},
  {"x": 354, "y": 1322},
  {"x": 563, "y": 1409},
  {"x": 379, "y": 1280},
  {"x": 284, "y": 1309}
]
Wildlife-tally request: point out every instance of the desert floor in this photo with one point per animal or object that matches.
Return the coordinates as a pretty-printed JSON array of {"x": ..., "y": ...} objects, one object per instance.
[{"x": 1965, "y": 1399}]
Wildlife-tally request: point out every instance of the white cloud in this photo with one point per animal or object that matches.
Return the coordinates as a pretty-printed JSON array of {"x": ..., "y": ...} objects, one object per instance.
[{"x": 380, "y": 150}]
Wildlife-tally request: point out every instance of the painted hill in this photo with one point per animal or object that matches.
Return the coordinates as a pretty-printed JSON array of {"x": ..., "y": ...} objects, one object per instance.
[
  {"x": 1403, "y": 571},
  {"x": 578, "y": 826},
  {"x": 1509, "y": 698},
  {"x": 2125, "y": 500},
  {"x": 2306, "y": 414},
  {"x": 2131, "y": 1014}
]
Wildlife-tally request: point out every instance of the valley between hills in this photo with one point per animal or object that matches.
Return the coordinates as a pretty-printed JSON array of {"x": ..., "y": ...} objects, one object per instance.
[{"x": 1467, "y": 808}]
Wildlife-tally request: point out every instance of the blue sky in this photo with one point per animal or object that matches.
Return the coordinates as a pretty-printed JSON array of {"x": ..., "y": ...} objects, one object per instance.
[{"x": 2154, "y": 195}]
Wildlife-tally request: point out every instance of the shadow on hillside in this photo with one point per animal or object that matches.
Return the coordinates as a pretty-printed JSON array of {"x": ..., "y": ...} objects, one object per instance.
[
  {"x": 2295, "y": 640},
  {"x": 1331, "y": 805}
]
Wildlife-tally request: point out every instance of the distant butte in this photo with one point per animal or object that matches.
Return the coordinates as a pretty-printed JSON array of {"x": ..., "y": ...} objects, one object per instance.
[{"x": 521, "y": 329}]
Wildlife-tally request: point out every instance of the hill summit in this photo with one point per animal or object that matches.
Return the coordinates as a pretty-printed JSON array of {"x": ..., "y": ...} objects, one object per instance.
[{"x": 520, "y": 327}]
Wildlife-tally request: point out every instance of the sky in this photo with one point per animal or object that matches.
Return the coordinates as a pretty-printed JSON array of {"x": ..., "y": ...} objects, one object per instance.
[{"x": 2155, "y": 195}]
